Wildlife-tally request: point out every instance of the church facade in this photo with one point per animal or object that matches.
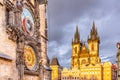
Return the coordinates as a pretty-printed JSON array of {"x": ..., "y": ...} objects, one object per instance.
[
  {"x": 85, "y": 61},
  {"x": 23, "y": 40}
]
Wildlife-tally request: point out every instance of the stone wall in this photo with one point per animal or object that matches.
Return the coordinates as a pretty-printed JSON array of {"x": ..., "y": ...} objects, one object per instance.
[
  {"x": 8, "y": 48},
  {"x": 43, "y": 29},
  {"x": 31, "y": 77},
  {"x": 8, "y": 70}
]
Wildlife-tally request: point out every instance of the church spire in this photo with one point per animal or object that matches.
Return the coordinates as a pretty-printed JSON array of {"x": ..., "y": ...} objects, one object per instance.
[
  {"x": 93, "y": 32},
  {"x": 76, "y": 35},
  {"x": 93, "y": 27}
]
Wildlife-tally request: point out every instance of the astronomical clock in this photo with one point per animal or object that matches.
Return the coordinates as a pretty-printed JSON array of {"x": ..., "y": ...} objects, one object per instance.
[
  {"x": 27, "y": 22},
  {"x": 30, "y": 32},
  {"x": 30, "y": 50},
  {"x": 30, "y": 58}
]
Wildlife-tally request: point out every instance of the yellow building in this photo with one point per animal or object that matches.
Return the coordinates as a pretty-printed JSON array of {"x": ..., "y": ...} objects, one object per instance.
[
  {"x": 70, "y": 74},
  {"x": 86, "y": 61},
  {"x": 56, "y": 69},
  {"x": 107, "y": 71}
]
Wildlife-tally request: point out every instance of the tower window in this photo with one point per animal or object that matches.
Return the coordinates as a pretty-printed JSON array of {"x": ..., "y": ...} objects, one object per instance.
[
  {"x": 75, "y": 49},
  {"x": 92, "y": 47}
]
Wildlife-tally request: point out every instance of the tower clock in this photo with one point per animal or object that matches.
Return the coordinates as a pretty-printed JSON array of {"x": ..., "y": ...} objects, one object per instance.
[
  {"x": 30, "y": 58},
  {"x": 27, "y": 22}
]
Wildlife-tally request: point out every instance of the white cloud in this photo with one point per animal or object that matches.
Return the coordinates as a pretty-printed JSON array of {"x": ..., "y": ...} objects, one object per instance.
[{"x": 63, "y": 49}]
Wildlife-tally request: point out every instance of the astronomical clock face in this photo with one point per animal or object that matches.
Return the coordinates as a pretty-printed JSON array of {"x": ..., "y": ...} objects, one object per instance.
[
  {"x": 30, "y": 58},
  {"x": 27, "y": 22}
]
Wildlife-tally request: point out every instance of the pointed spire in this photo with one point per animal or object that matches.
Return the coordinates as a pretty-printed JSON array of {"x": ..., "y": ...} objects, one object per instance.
[
  {"x": 55, "y": 61},
  {"x": 93, "y": 26},
  {"x": 76, "y": 35},
  {"x": 93, "y": 33},
  {"x": 96, "y": 32},
  {"x": 77, "y": 32}
]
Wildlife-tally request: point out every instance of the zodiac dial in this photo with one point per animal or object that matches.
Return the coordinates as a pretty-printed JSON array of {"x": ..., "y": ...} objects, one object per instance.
[{"x": 30, "y": 57}]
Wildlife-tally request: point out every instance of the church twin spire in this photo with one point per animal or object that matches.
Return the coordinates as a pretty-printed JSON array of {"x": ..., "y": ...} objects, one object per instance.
[
  {"x": 76, "y": 36},
  {"x": 83, "y": 54},
  {"x": 93, "y": 33}
]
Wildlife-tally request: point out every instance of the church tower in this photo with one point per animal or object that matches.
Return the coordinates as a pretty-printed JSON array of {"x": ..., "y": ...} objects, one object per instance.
[
  {"x": 84, "y": 55},
  {"x": 93, "y": 45},
  {"x": 43, "y": 30},
  {"x": 75, "y": 49}
]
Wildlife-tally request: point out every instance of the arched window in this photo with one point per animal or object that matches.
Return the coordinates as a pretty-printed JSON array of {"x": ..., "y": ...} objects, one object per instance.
[
  {"x": 92, "y": 47},
  {"x": 75, "y": 49}
]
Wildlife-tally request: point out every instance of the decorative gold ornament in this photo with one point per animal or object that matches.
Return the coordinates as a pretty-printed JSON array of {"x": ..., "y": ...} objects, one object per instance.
[{"x": 30, "y": 58}]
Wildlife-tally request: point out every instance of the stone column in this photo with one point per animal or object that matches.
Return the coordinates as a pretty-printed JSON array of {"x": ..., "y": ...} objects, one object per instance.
[
  {"x": 20, "y": 58},
  {"x": 37, "y": 26},
  {"x": 18, "y": 18}
]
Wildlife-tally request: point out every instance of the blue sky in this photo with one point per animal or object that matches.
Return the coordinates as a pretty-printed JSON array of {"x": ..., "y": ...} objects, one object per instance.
[{"x": 64, "y": 15}]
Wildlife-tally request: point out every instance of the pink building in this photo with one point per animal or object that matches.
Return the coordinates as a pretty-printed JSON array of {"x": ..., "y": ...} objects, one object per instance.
[{"x": 114, "y": 72}]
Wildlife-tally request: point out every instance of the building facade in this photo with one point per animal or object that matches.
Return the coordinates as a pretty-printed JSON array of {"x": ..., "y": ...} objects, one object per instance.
[
  {"x": 23, "y": 37},
  {"x": 56, "y": 69},
  {"x": 118, "y": 61},
  {"x": 114, "y": 71},
  {"x": 72, "y": 74},
  {"x": 85, "y": 60}
]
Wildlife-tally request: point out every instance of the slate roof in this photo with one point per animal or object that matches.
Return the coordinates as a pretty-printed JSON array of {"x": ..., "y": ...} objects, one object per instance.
[{"x": 55, "y": 61}]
